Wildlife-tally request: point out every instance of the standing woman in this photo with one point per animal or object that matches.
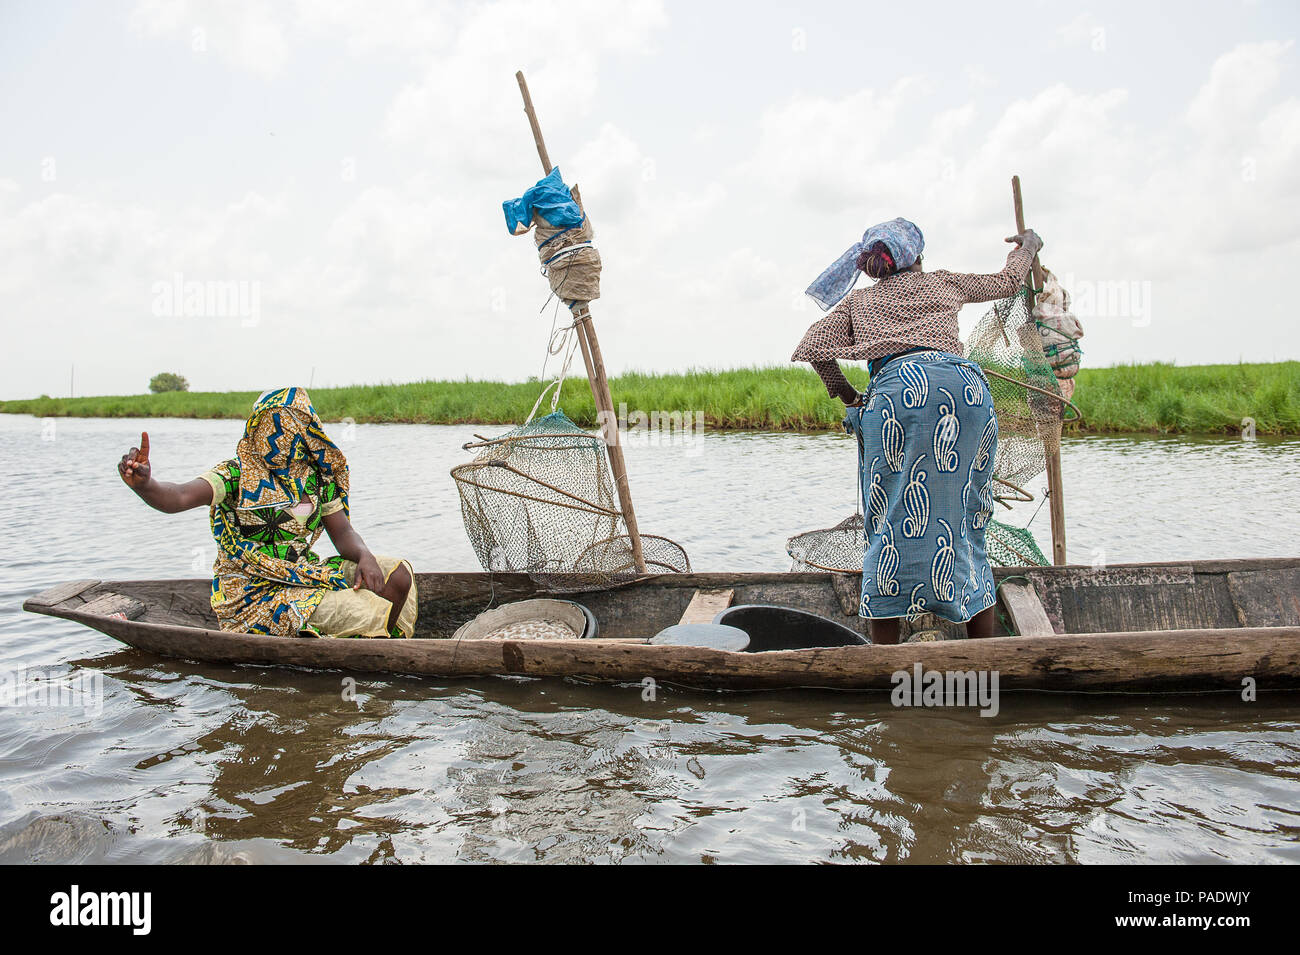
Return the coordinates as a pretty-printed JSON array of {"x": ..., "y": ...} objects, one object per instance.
[{"x": 926, "y": 431}]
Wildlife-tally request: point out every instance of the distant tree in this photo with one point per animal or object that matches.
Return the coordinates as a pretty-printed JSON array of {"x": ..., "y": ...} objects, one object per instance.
[{"x": 166, "y": 381}]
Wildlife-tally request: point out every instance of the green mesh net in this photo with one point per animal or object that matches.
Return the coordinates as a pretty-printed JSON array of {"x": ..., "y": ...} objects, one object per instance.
[
  {"x": 1009, "y": 546},
  {"x": 1007, "y": 345}
]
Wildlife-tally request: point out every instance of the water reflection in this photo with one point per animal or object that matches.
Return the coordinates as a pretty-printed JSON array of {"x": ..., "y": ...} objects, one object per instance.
[
  {"x": 207, "y": 763},
  {"x": 277, "y": 761}
]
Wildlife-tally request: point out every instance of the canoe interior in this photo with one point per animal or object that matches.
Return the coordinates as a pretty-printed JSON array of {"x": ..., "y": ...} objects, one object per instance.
[{"x": 1204, "y": 595}]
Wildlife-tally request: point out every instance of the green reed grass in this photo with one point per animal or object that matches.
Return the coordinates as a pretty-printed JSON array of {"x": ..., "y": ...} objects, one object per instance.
[{"x": 1150, "y": 398}]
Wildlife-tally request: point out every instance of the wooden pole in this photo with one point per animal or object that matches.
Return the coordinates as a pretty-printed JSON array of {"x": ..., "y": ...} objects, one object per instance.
[
  {"x": 532, "y": 122},
  {"x": 591, "y": 356},
  {"x": 1055, "y": 486}
]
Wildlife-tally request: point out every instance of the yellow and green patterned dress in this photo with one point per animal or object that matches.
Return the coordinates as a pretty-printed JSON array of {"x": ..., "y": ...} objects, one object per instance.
[{"x": 269, "y": 504}]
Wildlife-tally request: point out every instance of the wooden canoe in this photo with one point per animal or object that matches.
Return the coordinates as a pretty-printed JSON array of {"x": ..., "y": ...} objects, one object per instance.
[{"x": 1164, "y": 627}]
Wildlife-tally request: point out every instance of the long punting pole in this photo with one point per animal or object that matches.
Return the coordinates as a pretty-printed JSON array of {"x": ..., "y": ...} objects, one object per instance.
[
  {"x": 1055, "y": 489},
  {"x": 595, "y": 363}
]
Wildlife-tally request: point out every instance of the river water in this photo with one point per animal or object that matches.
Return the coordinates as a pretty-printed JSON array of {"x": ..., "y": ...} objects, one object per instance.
[{"x": 186, "y": 762}]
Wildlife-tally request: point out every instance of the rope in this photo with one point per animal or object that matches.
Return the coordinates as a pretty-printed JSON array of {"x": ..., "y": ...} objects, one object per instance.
[
  {"x": 569, "y": 250},
  {"x": 1054, "y": 350},
  {"x": 564, "y": 340},
  {"x": 545, "y": 242},
  {"x": 1046, "y": 493}
]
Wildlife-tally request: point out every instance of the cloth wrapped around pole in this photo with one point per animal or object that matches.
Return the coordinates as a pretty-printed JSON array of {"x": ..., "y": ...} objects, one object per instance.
[
  {"x": 569, "y": 261},
  {"x": 1058, "y": 327},
  {"x": 563, "y": 235}
]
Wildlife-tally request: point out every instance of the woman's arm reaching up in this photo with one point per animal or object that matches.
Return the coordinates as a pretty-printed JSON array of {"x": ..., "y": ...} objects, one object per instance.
[
  {"x": 160, "y": 495},
  {"x": 990, "y": 288}
]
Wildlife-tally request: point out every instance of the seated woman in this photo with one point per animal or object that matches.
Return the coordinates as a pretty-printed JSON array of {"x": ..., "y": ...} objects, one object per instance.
[
  {"x": 287, "y": 481},
  {"x": 927, "y": 433}
]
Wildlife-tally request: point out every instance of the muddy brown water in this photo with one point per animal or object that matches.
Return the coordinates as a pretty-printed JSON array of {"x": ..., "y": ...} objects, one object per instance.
[{"x": 177, "y": 761}]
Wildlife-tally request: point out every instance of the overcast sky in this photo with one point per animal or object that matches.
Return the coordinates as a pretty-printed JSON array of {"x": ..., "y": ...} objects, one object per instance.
[{"x": 345, "y": 162}]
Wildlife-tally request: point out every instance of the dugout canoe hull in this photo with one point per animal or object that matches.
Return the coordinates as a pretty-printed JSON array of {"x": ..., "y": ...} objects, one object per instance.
[{"x": 1153, "y": 628}]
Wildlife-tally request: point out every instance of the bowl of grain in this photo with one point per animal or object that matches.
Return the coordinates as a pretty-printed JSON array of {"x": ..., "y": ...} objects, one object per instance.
[{"x": 537, "y": 619}]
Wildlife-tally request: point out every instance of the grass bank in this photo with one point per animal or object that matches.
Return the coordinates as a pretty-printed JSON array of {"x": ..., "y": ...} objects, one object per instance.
[{"x": 1151, "y": 398}]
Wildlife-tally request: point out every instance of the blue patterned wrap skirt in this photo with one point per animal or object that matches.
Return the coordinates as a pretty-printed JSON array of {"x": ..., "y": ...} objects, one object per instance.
[{"x": 927, "y": 436}]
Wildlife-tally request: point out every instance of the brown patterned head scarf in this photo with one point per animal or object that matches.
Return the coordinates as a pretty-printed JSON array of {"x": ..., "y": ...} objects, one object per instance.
[{"x": 284, "y": 443}]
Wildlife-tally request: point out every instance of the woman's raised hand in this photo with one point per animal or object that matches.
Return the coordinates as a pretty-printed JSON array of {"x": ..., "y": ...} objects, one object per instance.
[
  {"x": 160, "y": 495},
  {"x": 134, "y": 466},
  {"x": 1029, "y": 239}
]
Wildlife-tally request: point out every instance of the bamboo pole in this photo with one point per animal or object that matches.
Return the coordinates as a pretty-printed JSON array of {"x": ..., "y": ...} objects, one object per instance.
[
  {"x": 1055, "y": 486},
  {"x": 591, "y": 356},
  {"x": 542, "y": 154}
]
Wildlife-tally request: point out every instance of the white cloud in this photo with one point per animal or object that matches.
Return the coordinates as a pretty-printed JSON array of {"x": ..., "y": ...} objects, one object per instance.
[
  {"x": 709, "y": 233},
  {"x": 248, "y": 35},
  {"x": 1084, "y": 30},
  {"x": 411, "y": 28},
  {"x": 1238, "y": 86},
  {"x": 1159, "y": 203},
  {"x": 465, "y": 107}
]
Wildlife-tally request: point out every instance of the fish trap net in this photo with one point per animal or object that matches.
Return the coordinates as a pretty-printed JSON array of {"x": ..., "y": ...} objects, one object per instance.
[
  {"x": 840, "y": 549},
  {"x": 1009, "y": 546},
  {"x": 540, "y": 500},
  {"x": 1026, "y": 395}
]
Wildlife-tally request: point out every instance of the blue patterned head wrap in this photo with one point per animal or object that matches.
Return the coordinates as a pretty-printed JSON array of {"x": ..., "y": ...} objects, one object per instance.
[{"x": 904, "y": 241}]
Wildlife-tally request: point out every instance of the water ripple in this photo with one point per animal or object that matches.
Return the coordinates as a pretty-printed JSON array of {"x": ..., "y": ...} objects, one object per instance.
[{"x": 189, "y": 763}]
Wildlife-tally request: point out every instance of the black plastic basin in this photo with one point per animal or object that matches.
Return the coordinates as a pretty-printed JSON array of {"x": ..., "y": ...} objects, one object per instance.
[{"x": 784, "y": 628}]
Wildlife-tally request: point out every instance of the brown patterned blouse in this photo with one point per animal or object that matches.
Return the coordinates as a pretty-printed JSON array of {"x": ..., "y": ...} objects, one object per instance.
[{"x": 904, "y": 311}]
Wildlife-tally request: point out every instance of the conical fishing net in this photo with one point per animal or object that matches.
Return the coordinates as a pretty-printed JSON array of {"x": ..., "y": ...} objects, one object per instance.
[
  {"x": 1007, "y": 345},
  {"x": 540, "y": 500}
]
